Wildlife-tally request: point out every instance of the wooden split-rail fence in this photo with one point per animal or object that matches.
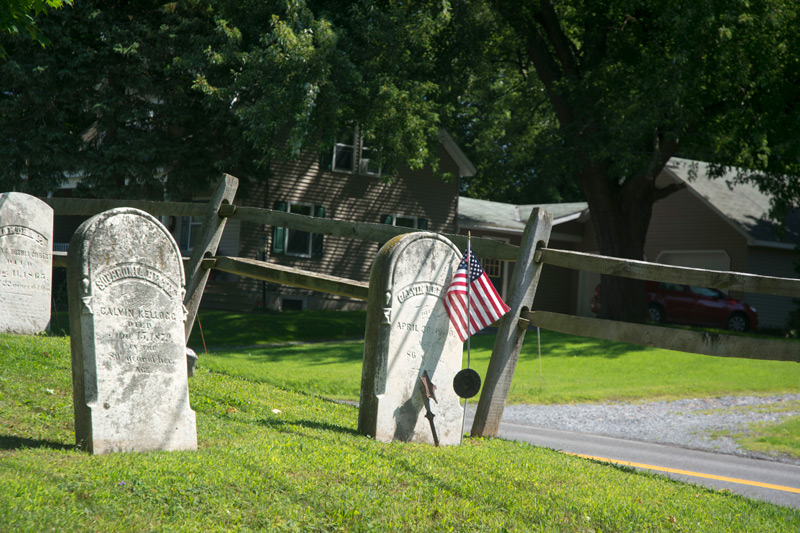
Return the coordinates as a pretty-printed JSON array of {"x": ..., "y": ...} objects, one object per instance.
[{"x": 530, "y": 256}]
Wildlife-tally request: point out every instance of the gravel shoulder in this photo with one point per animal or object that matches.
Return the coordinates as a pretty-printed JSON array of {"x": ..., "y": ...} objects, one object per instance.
[{"x": 705, "y": 424}]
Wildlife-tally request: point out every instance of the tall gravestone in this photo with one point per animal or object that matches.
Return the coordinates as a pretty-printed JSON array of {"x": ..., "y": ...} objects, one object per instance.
[
  {"x": 408, "y": 335},
  {"x": 26, "y": 263},
  {"x": 130, "y": 385}
]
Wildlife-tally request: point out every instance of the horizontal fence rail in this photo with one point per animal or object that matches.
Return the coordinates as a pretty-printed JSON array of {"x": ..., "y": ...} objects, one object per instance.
[
  {"x": 89, "y": 207},
  {"x": 295, "y": 277},
  {"x": 364, "y": 231},
  {"x": 718, "y": 345},
  {"x": 629, "y": 268}
]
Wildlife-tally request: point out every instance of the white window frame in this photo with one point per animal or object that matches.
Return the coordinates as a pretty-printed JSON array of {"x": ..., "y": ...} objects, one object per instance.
[
  {"x": 289, "y": 205},
  {"x": 415, "y": 218},
  {"x": 504, "y": 265},
  {"x": 301, "y": 298},
  {"x": 193, "y": 221},
  {"x": 353, "y": 147},
  {"x": 364, "y": 162},
  {"x": 361, "y": 164}
]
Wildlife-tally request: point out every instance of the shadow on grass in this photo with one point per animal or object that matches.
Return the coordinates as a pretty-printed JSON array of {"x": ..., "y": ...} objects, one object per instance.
[
  {"x": 242, "y": 329},
  {"x": 556, "y": 344},
  {"x": 9, "y": 442},
  {"x": 283, "y": 425},
  {"x": 307, "y": 354}
]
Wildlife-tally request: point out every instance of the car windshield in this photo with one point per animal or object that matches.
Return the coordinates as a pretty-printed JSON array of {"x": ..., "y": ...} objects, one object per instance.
[{"x": 702, "y": 291}]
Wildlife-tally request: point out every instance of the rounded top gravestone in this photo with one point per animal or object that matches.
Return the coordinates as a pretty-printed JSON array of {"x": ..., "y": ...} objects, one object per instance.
[
  {"x": 408, "y": 333},
  {"x": 130, "y": 384},
  {"x": 26, "y": 263}
]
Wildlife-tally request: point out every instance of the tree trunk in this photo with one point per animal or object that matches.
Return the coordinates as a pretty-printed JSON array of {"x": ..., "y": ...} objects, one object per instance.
[{"x": 620, "y": 217}]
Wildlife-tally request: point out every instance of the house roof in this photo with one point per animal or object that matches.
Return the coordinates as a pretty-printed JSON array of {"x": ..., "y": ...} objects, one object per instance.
[
  {"x": 474, "y": 213},
  {"x": 465, "y": 166},
  {"x": 742, "y": 204}
]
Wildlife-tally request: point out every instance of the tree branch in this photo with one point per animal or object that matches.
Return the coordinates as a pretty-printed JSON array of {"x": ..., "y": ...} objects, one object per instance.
[
  {"x": 564, "y": 49},
  {"x": 667, "y": 190},
  {"x": 663, "y": 150},
  {"x": 543, "y": 61}
]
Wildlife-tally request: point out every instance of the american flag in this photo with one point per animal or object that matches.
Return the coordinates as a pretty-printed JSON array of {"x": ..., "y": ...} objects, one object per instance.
[{"x": 485, "y": 307}]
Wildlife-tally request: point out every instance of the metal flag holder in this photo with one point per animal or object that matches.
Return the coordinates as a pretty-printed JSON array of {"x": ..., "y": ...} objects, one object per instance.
[
  {"x": 467, "y": 382},
  {"x": 429, "y": 393}
]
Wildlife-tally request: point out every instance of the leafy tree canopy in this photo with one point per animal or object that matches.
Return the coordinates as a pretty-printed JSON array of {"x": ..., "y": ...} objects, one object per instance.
[
  {"x": 599, "y": 95},
  {"x": 18, "y": 17},
  {"x": 138, "y": 98},
  {"x": 554, "y": 100}
]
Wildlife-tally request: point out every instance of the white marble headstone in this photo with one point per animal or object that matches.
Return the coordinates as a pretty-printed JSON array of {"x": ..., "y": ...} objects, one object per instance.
[
  {"x": 130, "y": 385},
  {"x": 26, "y": 263},
  {"x": 408, "y": 333}
]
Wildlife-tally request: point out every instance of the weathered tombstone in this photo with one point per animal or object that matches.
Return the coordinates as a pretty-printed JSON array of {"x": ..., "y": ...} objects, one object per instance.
[
  {"x": 408, "y": 333},
  {"x": 26, "y": 263},
  {"x": 130, "y": 386}
]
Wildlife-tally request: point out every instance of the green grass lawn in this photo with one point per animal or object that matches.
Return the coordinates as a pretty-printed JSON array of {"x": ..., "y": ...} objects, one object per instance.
[
  {"x": 290, "y": 460},
  {"x": 224, "y": 328},
  {"x": 573, "y": 369}
]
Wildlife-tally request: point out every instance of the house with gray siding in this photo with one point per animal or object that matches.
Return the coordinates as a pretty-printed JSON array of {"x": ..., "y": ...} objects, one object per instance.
[{"x": 708, "y": 224}]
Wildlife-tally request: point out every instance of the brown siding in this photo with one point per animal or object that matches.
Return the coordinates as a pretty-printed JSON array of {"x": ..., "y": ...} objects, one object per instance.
[{"x": 350, "y": 197}]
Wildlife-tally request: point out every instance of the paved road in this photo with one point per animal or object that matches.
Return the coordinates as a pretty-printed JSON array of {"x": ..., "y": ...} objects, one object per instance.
[{"x": 755, "y": 478}]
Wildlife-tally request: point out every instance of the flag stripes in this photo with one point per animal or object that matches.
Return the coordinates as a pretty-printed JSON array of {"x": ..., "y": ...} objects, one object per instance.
[{"x": 485, "y": 305}]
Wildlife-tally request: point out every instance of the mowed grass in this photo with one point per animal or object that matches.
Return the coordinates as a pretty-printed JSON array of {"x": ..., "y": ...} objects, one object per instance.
[
  {"x": 224, "y": 328},
  {"x": 572, "y": 369},
  {"x": 274, "y": 459}
]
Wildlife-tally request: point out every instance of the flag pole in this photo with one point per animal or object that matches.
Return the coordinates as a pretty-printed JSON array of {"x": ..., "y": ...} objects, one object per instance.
[{"x": 469, "y": 272}]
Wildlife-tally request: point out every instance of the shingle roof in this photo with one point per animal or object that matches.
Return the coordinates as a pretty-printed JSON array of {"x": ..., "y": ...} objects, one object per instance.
[
  {"x": 474, "y": 213},
  {"x": 742, "y": 204}
]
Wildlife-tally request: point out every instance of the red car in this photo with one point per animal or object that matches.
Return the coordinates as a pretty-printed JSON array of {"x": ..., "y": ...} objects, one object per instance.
[{"x": 695, "y": 306}]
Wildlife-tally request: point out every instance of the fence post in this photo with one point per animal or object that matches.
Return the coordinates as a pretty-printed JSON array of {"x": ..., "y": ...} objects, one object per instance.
[
  {"x": 511, "y": 332},
  {"x": 206, "y": 246}
]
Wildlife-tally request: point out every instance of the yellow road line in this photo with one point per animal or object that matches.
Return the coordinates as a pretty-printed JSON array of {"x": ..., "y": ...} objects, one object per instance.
[{"x": 689, "y": 473}]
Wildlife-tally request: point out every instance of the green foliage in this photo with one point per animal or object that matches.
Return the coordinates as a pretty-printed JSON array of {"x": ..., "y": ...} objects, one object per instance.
[
  {"x": 146, "y": 99},
  {"x": 18, "y": 17},
  {"x": 110, "y": 102},
  {"x": 558, "y": 92},
  {"x": 269, "y": 459}
]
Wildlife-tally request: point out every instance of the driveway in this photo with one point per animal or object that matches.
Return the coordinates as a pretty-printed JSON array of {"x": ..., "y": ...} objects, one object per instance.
[{"x": 688, "y": 440}]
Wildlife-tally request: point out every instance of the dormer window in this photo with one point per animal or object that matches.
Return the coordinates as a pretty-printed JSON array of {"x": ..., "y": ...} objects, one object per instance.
[
  {"x": 352, "y": 154},
  {"x": 344, "y": 153},
  {"x": 367, "y": 163}
]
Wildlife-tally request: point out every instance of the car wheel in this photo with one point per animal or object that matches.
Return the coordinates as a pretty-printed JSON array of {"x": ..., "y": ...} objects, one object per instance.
[
  {"x": 655, "y": 313},
  {"x": 738, "y": 322}
]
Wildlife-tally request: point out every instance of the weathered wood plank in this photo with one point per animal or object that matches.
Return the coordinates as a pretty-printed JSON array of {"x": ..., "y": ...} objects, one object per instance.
[
  {"x": 290, "y": 276},
  {"x": 365, "y": 231},
  {"x": 628, "y": 268},
  {"x": 60, "y": 259},
  {"x": 718, "y": 345},
  {"x": 508, "y": 341},
  {"x": 205, "y": 246},
  {"x": 89, "y": 207}
]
